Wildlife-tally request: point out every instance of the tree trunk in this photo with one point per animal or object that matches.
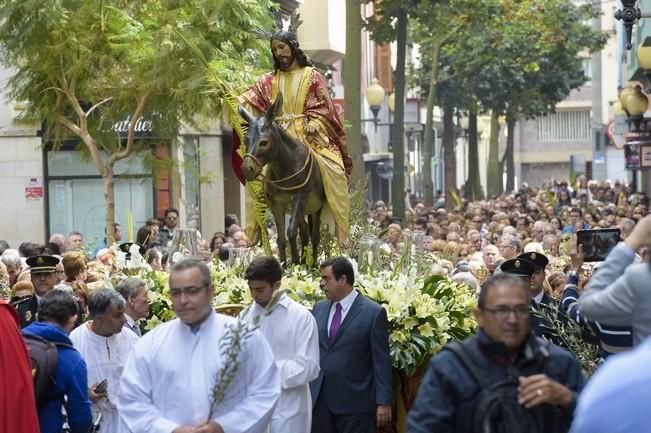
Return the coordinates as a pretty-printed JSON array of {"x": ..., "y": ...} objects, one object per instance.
[
  {"x": 429, "y": 138},
  {"x": 473, "y": 184},
  {"x": 398, "y": 136},
  {"x": 109, "y": 201},
  {"x": 352, "y": 91},
  {"x": 508, "y": 154},
  {"x": 449, "y": 157},
  {"x": 494, "y": 187}
]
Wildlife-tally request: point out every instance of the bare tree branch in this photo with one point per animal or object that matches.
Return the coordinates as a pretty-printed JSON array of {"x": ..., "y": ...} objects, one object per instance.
[
  {"x": 91, "y": 109},
  {"x": 70, "y": 125},
  {"x": 89, "y": 141}
]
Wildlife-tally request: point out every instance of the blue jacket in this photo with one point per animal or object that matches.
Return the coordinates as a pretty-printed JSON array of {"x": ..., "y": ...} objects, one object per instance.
[
  {"x": 71, "y": 381},
  {"x": 447, "y": 394}
]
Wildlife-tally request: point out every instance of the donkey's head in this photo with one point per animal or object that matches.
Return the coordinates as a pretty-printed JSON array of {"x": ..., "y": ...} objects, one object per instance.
[{"x": 262, "y": 139}]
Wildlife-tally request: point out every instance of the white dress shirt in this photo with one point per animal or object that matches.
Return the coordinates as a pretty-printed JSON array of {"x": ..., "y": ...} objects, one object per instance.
[
  {"x": 346, "y": 303},
  {"x": 538, "y": 298},
  {"x": 169, "y": 377},
  {"x": 292, "y": 334},
  {"x": 132, "y": 325}
]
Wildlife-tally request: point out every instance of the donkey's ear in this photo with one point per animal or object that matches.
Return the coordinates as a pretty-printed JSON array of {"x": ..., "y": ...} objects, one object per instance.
[
  {"x": 245, "y": 114},
  {"x": 274, "y": 109}
]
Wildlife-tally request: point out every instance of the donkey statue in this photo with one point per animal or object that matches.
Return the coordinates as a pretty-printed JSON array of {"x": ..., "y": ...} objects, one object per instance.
[{"x": 292, "y": 180}]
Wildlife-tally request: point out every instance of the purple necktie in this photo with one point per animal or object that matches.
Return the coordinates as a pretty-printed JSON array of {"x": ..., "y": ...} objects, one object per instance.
[{"x": 336, "y": 322}]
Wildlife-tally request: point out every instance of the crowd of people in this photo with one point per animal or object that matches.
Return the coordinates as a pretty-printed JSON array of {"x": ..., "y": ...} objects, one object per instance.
[{"x": 329, "y": 369}]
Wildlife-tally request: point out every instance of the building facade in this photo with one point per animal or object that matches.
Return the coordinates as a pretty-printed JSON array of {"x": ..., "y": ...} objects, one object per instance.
[
  {"x": 47, "y": 191},
  {"x": 573, "y": 140}
]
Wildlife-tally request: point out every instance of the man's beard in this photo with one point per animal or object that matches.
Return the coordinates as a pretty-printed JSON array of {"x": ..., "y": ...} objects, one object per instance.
[{"x": 286, "y": 62}]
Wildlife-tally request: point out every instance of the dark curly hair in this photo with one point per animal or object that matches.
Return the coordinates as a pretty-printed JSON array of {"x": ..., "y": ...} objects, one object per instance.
[{"x": 290, "y": 40}]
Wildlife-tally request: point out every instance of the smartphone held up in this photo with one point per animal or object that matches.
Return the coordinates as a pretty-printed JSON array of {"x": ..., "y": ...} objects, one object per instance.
[{"x": 597, "y": 244}]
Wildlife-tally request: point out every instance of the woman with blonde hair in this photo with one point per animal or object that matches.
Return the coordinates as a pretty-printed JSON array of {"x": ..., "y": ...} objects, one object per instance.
[
  {"x": 75, "y": 266},
  {"x": 22, "y": 289}
]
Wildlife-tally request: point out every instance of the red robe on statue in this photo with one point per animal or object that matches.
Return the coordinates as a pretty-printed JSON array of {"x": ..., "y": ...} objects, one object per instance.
[
  {"x": 318, "y": 105},
  {"x": 17, "y": 403}
]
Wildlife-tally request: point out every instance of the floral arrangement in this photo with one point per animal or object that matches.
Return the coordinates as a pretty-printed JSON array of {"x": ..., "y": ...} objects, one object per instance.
[{"x": 423, "y": 313}]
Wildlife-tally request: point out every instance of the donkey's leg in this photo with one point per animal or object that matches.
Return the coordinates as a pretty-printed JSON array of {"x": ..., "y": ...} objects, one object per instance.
[
  {"x": 278, "y": 212},
  {"x": 294, "y": 221},
  {"x": 316, "y": 234},
  {"x": 304, "y": 234}
]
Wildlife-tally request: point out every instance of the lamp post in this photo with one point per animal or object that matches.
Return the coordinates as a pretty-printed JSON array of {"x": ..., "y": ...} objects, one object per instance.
[
  {"x": 375, "y": 98},
  {"x": 634, "y": 103},
  {"x": 629, "y": 15}
]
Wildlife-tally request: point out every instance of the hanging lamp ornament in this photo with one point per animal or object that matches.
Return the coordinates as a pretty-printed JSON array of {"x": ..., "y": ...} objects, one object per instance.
[{"x": 629, "y": 15}]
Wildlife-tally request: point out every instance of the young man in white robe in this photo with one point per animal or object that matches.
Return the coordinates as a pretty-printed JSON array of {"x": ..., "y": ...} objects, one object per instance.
[
  {"x": 291, "y": 331},
  {"x": 105, "y": 344},
  {"x": 168, "y": 381}
]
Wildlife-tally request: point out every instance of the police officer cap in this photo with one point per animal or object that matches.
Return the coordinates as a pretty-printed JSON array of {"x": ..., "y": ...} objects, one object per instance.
[
  {"x": 539, "y": 260},
  {"x": 518, "y": 267},
  {"x": 42, "y": 264}
]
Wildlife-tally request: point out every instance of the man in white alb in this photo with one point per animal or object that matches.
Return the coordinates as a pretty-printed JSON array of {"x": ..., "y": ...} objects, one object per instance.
[
  {"x": 105, "y": 345},
  {"x": 170, "y": 374},
  {"x": 290, "y": 330}
]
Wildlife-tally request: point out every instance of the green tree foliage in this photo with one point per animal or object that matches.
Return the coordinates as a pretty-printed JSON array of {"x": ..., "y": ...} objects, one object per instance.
[
  {"x": 518, "y": 58},
  {"x": 435, "y": 26},
  {"x": 529, "y": 60},
  {"x": 81, "y": 65}
]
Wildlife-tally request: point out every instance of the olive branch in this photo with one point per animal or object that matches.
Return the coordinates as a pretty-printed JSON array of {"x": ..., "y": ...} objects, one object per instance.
[{"x": 232, "y": 344}]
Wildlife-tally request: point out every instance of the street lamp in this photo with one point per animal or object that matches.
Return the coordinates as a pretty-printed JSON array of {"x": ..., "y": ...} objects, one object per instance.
[
  {"x": 623, "y": 94},
  {"x": 375, "y": 97},
  {"x": 635, "y": 103},
  {"x": 629, "y": 15},
  {"x": 618, "y": 110},
  {"x": 392, "y": 102}
]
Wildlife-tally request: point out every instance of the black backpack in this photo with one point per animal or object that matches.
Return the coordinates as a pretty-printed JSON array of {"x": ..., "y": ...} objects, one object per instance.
[
  {"x": 496, "y": 408},
  {"x": 44, "y": 355}
]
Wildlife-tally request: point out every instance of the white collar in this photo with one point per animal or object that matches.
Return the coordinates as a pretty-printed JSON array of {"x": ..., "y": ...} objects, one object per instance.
[
  {"x": 195, "y": 329},
  {"x": 130, "y": 320},
  {"x": 347, "y": 302},
  {"x": 284, "y": 300},
  {"x": 538, "y": 298}
]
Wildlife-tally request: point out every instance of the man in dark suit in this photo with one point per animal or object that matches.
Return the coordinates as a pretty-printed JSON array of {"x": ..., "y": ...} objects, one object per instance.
[{"x": 353, "y": 392}]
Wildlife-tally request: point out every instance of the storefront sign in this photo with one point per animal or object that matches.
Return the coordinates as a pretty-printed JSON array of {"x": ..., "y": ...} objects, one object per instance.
[
  {"x": 637, "y": 153},
  {"x": 34, "y": 188},
  {"x": 632, "y": 155},
  {"x": 143, "y": 127}
]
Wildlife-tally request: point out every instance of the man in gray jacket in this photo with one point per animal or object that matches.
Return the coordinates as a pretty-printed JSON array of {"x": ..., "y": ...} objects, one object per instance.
[{"x": 620, "y": 293}]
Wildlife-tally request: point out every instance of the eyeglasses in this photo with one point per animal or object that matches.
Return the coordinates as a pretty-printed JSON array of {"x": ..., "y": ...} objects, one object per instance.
[
  {"x": 503, "y": 313},
  {"x": 188, "y": 291}
]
